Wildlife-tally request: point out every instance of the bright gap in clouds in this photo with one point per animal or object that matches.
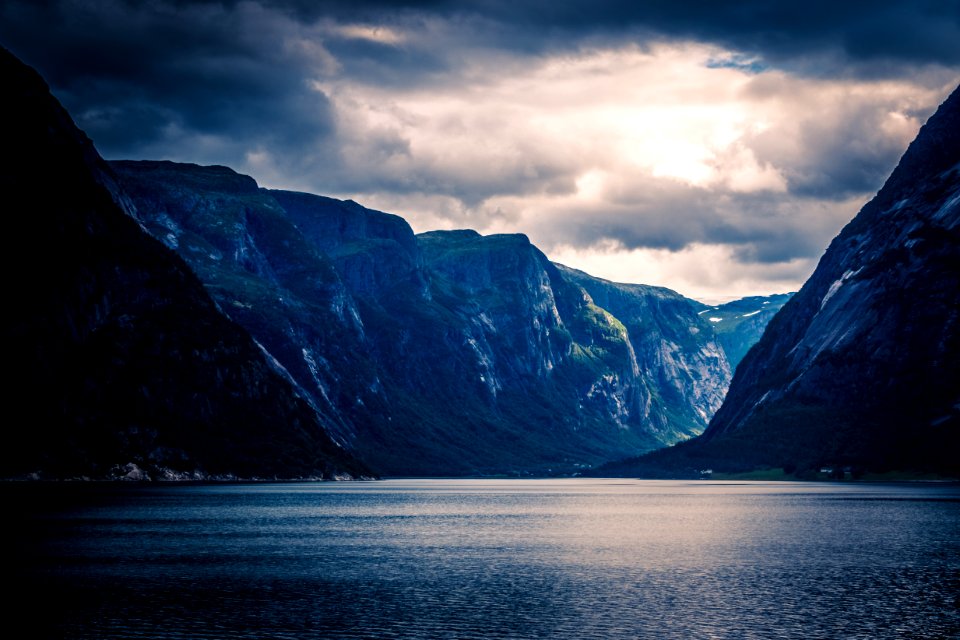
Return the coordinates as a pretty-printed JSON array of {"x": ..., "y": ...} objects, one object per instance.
[
  {"x": 660, "y": 112},
  {"x": 645, "y": 165},
  {"x": 708, "y": 273}
]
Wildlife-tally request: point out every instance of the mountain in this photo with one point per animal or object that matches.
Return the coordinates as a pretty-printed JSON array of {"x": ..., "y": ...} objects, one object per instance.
[
  {"x": 682, "y": 366},
  {"x": 264, "y": 274},
  {"x": 740, "y": 323},
  {"x": 444, "y": 353},
  {"x": 192, "y": 324},
  {"x": 119, "y": 362},
  {"x": 860, "y": 368}
]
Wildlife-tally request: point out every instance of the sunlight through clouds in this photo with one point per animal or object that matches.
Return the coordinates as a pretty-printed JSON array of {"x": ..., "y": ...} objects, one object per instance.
[
  {"x": 683, "y": 165},
  {"x": 743, "y": 140},
  {"x": 699, "y": 271}
]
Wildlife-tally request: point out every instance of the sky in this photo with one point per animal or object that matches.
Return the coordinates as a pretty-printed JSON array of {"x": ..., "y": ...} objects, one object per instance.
[{"x": 713, "y": 148}]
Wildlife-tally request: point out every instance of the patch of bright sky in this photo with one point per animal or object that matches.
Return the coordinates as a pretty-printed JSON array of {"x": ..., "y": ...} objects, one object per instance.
[
  {"x": 378, "y": 34},
  {"x": 700, "y": 272}
]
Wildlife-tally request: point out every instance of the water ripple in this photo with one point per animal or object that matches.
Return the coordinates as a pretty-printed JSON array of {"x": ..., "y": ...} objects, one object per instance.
[{"x": 485, "y": 559}]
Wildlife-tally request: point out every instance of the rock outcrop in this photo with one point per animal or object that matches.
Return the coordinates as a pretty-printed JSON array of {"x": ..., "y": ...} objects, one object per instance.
[{"x": 681, "y": 365}]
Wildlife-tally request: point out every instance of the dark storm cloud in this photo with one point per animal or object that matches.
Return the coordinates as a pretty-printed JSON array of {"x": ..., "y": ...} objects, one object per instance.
[
  {"x": 760, "y": 227},
  {"x": 835, "y": 155},
  {"x": 914, "y": 31},
  {"x": 131, "y": 70},
  {"x": 864, "y": 32},
  {"x": 137, "y": 75}
]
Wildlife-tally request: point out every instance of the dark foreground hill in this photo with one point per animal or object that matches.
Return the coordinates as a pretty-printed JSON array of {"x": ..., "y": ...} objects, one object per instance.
[{"x": 118, "y": 360}]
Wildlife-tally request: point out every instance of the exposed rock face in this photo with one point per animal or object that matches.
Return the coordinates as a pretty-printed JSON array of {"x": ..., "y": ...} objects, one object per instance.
[
  {"x": 536, "y": 332},
  {"x": 263, "y": 273},
  {"x": 444, "y": 353},
  {"x": 515, "y": 308},
  {"x": 862, "y": 366},
  {"x": 740, "y": 323},
  {"x": 118, "y": 357},
  {"x": 681, "y": 366}
]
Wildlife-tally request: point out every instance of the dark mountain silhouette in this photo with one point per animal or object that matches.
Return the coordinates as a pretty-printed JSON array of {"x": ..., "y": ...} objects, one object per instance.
[{"x": 119, "y": 361}]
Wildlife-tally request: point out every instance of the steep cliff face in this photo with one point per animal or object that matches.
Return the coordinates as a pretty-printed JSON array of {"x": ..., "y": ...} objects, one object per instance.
[
  {"x": 507, "y": 280},
  {"x": 680, "y": 364},
  {"x": 444, "y": 353},
  {"x": 266, "y": 275},
  {"x": 506, "y": 361},
  {"x": 861, "y": 366},
  {"x": 536, "y": 333},
  {"x": 120, "y": 360}
]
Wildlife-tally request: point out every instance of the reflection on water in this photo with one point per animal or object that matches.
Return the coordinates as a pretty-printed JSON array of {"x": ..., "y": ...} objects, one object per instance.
[{"x": 488, "y": 559}]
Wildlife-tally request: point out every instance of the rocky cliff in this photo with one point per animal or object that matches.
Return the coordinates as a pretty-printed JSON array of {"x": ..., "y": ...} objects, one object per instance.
[
  {"x": 264, "y": 274},
  {"x": 120, "y": 363},
  {"x": 682, "y": 367},
  {"x": 865, "y": 357},
  {"x": 860, "y": 368},
  {"x": 443, "y": 353}
]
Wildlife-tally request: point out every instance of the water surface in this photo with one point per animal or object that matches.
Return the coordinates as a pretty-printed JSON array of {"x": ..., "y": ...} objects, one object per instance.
[{"x": 465, "y": 559}]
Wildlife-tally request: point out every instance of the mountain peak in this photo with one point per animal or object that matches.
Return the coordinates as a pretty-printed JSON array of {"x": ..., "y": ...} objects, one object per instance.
[{"x": 934, "y": 151}]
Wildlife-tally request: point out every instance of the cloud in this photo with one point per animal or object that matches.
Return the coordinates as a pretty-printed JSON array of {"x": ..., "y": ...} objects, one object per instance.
[
  {"x": 838, "y": 138},
  {"x": 646, "y": 148},
  {"x": 728, "y": 142},
  {"x": 709, "y": 273},
  {"x": 759, "y": 228},
  {"x": 860, "y": 36},
  {"x": 159, "y": 76}
]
